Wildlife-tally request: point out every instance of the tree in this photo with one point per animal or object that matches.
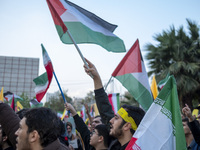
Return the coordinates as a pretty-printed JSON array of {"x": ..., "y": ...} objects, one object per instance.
[
  {"x": 129, "y": 100},
  {"x": 56, "y": 101},
  {"x": 178, "y": 53},
  {"x": 26, "y": 101}
]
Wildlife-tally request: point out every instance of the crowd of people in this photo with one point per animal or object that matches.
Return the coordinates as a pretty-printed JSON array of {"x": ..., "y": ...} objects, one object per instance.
[{"x": 41, "y": 129}]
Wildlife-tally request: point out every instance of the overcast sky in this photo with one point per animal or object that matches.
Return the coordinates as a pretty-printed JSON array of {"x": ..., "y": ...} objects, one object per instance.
[{"x": 26, "y": 24}]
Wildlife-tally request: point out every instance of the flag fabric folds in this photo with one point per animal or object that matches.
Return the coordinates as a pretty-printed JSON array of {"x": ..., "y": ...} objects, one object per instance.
[
  {"x": 163, "y": 82},
  {"x": 19, "y": 106},
  {"x": 161, "y": 128},
  {"x": 13, "y": 103},
  {"x": 43, "y": 81},
  {"x": 132, "y": 74},
  {"x": 154, "y": 88},
  {"x": 94, "y": 110},
  {"x": 84, "y": 26},
  {"x": 34, "y": 103},
  {"x": 114, "y": 101},
  {"x": 83, "y": 115},
  {"x": 9, "y": 95},
  {"x": 1, "y": 95}
]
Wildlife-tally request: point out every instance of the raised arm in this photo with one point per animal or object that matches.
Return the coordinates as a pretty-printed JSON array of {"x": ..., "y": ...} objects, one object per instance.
[
  {"x": 103, "y": 104},
  {"x": 80, "y": 125},
  {"x": 193, "y": 123}
]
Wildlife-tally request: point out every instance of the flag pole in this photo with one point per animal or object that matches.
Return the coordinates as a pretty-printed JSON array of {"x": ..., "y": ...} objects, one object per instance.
[
  {"x": 108, "y": 83},
  {"x": 59, "y": 87},
  {"x": 79, "y": 51}
]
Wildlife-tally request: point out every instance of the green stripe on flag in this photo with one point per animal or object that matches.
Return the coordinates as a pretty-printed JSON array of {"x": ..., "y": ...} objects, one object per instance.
[
  {"x": 135, "y": 88},
  {"x": 171, "y": 109},
  {"x": 83, "y": 34},
  {"x": 41, "y": 80}
]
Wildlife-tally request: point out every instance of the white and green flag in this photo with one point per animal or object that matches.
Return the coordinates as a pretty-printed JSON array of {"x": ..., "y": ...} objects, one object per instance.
[
  {"x": 84, "y": 26},
  {"x": 161, "y": 127}
]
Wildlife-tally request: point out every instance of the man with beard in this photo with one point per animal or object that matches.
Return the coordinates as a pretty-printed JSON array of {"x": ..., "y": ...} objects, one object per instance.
[
  {"x": 124, "y": 123},
  {"x": 4, "y": 141}
]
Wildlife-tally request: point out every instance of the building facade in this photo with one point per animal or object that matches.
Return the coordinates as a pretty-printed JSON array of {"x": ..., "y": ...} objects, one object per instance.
[{"x": 17, "y": 74}]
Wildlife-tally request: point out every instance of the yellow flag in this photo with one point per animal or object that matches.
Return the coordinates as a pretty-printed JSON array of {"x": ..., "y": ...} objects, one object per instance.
[
  {"x": 154, "y": 88},
  {"x": 19, "y": 106},
  {"x": 96, "y": 111},
  {"x": 195, "y": 111},
  {"x": 64, "y": 112},
  {"x": 1, "y": 95}
]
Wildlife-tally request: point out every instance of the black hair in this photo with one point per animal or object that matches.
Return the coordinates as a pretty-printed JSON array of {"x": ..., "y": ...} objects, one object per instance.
[
  {"x": 4, "y": 134},
  {"x": 45, "y": 122},
  {"x": 185, "y": 120},
  {"x": 22, "y": 112},
  {"x": 136, "y": 113},
  {"x": 103, "y": 131},
  {"x": 98, "y": 116}
]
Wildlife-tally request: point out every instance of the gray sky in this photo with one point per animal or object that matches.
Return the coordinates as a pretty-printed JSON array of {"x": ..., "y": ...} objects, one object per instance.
[{"x": 26, "y": 24}]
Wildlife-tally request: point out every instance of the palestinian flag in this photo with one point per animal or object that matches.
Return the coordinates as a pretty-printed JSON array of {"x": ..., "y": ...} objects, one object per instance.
[
  {"x": 9, "y": 95},
  {"x": 161, "y": 128},
  {"x": 84, "y": 26},
  {"x": 43, "y": 81},
  {"x": 34, "y": 103},
  {"x": 13, "y": 103},
  {"x": 114, "y": 101},
  {"x": 132, "y": 74}
]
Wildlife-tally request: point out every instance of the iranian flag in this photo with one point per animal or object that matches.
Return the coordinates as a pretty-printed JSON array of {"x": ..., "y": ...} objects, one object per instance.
[
  {"x": 161, "y": 128},
  {"x": 43, "y": 81},
  {"x": 84, "y": 26},
  {"x": 132, "y": 74},
  {"x": 114, "y": 101},
  {"x": 163, "y": 82}
]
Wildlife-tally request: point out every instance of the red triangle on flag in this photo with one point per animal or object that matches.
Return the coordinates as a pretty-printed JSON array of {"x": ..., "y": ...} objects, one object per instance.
[{"x": 131, "y": 62}]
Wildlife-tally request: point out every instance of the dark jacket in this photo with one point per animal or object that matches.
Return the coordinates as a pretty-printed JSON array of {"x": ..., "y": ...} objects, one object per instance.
[
  {"x": 82, "y": 128},
  {"x": 56, "y": 145},
  {"x": 195, "y": 128},
  {"x": 10, "y": 123},
  {"x": 106, "y": 113}
]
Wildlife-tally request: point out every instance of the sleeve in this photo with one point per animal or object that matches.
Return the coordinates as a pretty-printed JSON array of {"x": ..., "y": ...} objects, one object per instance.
[
  {"x": 9, "y": 122},
  {"x": 103, "y": 105},
  {"x": 83, "y": 130},
  {"x": 195, "y": 128}
]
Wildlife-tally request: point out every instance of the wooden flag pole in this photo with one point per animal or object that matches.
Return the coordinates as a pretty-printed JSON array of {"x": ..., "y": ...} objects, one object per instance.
[{"x": 79, "y": 51}]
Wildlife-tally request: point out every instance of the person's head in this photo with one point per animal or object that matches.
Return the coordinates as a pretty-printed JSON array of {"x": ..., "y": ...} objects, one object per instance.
[
  {"x": 22, "y": 112},
  {"x": 96, "y": 121},
  {"x": 39, "y": 126},
  {"x": 186, "y": 128},
  {"x": 69, "y": 128},
  {"x": 127, "y": 119},
  {"x": 100, "y": 135},
  {"x": 4, "y": 141}
]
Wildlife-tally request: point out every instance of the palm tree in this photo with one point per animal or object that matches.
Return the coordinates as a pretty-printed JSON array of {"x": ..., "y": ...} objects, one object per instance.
[{"x": 178, "y": 54}]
